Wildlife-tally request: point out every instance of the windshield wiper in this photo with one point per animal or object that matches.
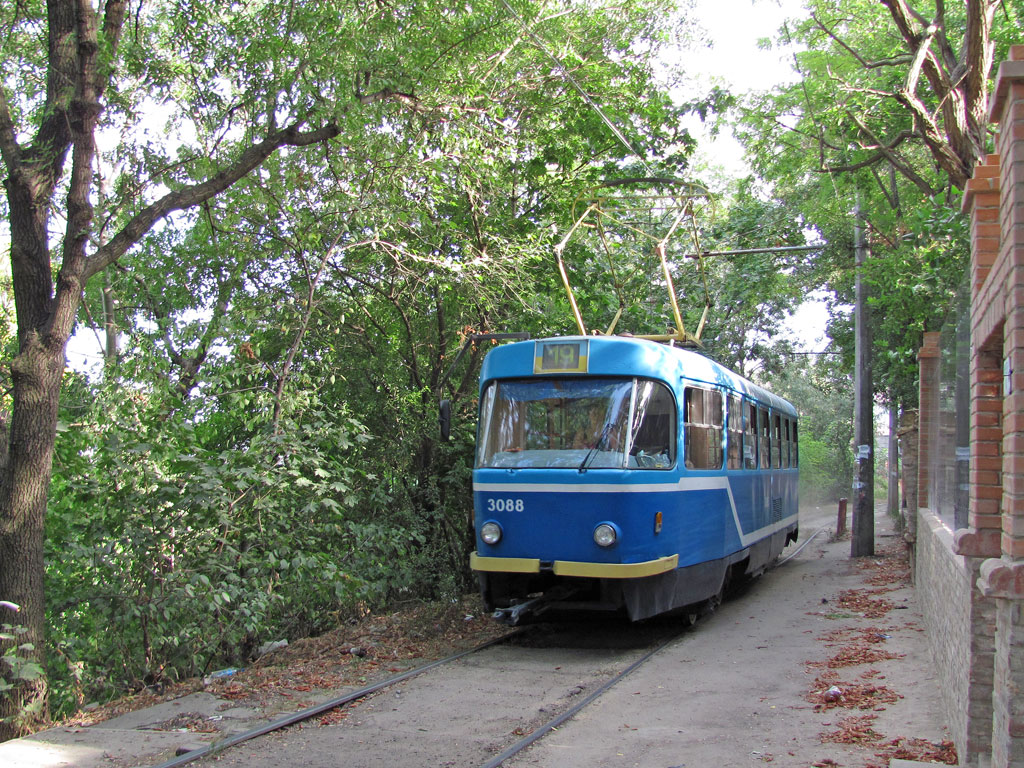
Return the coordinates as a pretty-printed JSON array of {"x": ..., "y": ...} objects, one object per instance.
[{"x": 600, "y": 441}]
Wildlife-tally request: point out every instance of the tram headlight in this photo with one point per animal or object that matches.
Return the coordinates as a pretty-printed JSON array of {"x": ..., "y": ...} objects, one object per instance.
[
  {"x": 605, "y": 535},
  {"x": 490, "y": 533}
]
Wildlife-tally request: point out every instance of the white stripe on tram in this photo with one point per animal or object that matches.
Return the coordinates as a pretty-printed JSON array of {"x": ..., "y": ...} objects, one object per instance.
[{"x": 683, "y": 484}]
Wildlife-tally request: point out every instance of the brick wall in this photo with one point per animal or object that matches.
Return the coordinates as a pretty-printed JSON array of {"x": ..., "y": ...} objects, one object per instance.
[{"x": 972, "y": 581}]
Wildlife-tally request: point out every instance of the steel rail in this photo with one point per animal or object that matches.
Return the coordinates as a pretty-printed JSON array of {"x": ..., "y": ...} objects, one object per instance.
[
  {"x": 555, "y": 722},
  {"x": 526, "y": 741},
  {"x": 316, "y": 709},
  {"x": 799, "y": 549}
]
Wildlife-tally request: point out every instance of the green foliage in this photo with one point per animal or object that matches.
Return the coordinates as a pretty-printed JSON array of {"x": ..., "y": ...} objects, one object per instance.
[
  {"x": 846, "y": 136},
  {"x": 185, "y": 542},
  {"x": 17, "y": 665},
  {"x": 262, "y": 459}
]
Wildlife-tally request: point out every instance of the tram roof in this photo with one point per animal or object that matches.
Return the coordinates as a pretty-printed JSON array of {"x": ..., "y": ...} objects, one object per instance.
[{"x": 627, "y": 356}]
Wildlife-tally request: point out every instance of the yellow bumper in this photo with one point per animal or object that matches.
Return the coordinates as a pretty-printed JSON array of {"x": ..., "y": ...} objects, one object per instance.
[{"x": 570, "y": 568}]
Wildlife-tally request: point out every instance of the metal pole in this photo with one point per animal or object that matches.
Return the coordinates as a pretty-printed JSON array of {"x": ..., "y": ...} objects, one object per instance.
[
  {"x": 862, "y": 539},
  {"x": 893, "y": 458}
]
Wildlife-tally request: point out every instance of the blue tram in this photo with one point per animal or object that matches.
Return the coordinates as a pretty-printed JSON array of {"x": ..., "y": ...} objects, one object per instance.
[{"x": 620, "y": 474}]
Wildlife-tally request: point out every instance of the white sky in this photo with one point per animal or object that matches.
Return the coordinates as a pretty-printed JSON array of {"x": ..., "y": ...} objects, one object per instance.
[{"x": 735, "y": 61}]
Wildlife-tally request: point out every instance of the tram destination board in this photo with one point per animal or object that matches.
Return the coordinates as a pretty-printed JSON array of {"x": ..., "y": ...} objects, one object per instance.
[{"x": 561, "y": 356}]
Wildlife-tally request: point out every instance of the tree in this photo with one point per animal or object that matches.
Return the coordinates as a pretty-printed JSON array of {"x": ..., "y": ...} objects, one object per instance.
[
  {"x": 890, "y": 110},
  {"x": 243, "y": 86},
  {"x": 902, "y": 77}
]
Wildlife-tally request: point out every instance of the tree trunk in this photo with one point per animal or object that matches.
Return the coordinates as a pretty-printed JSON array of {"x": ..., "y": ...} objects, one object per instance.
[{"x": 24, "y": 484}]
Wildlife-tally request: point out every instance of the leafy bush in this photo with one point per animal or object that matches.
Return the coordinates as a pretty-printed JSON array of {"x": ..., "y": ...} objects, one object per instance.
[
  {"x": 16, "y": 665},
  {"x": 180, "y": 540}
]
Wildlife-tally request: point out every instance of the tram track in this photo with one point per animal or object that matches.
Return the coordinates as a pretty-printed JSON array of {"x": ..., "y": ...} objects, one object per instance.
[
  {"x": 534, "y": 678},
  {"x": 517, "y": 671},
  {"x": 318, "y": 709}
]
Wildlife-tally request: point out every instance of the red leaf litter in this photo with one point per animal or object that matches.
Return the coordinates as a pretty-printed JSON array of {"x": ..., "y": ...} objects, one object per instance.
[
  {"x": 920, "y": 750},
  {"x": 871, "y": 635},
  {"x": 863, "y": 601},
  {"x": 889, "y": 566},
  {"x": 854, "y": 730},
  {"x": 830, "y": 692},
  {"x": 850, "y": 656},
  {"x": 861, "y": 646}
]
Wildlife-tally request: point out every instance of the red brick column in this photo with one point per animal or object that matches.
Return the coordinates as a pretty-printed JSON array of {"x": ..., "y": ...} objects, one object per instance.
[
  {"x": 928, "y": 359},
  {"x": 1002, "y": 577},
  {"x": 981, "y": 202}
]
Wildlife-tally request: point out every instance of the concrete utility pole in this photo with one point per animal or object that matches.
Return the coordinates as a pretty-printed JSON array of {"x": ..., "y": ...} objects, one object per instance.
[
  {"x": 862, "y": 539},
  {"x": 893, "y": 500}
]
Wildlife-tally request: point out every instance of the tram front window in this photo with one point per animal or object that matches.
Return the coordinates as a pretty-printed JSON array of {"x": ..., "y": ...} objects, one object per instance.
[{"x": 591, "y": 423}]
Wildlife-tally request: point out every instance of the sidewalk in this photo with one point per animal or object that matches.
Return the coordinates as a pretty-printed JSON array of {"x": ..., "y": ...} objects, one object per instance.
[
  {"x": 751, "y": 686},
  {"x": 823, "y": 662}
]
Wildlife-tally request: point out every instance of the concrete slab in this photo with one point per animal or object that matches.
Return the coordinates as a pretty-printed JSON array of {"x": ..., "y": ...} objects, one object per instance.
[
  {"x": 146, "y": 737},
  {"x": 92, "y": 748}
]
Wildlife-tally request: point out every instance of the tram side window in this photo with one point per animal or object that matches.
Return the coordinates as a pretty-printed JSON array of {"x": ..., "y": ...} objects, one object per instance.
[
  {"x": 796, "y": 448},
  {"x": 703, "y": 428},
  {"x": 750, "y": 439},
  {"x": 764, "y": 435},
  {"x": 787, "y": 447},
  {"x": 735, "y": 436},
  {"x": 653, "y": 440},
  {"x": 777, "y": 445}
]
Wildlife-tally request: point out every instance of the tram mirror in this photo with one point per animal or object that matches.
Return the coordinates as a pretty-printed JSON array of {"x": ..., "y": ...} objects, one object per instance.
[{"x": 445, "y": 419}]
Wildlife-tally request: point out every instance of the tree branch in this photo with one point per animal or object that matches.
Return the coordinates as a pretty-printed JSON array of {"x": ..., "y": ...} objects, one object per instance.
[
  {"x": 887, "y": 151},
  {"x": 889, "y": 62},
  {"x": 195, "y": 194}
]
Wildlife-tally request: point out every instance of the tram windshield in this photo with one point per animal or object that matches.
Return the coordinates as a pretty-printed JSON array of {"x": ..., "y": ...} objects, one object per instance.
[{"x": 578, "y": 423}]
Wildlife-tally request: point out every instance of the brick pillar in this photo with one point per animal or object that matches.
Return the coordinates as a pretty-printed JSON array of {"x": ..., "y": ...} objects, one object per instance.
[
  {"x": 1002, "y": 576},
  {"x": 980, "y": 540},
  {"x": 928, "y": 359},
  {"x": 981, "y": 202}
]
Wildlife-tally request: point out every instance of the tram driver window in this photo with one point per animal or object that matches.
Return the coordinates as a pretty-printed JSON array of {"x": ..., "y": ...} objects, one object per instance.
[
  {"x": 703, "y": 428},
  {"x": 653, "y": 439}
]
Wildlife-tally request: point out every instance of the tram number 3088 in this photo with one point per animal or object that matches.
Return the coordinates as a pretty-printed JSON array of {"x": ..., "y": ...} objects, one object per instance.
[{"x": 505, "y": 505}]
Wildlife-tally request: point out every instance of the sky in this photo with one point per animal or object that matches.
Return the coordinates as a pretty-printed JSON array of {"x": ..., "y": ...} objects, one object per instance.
[{"x": 737, "y": 62}]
